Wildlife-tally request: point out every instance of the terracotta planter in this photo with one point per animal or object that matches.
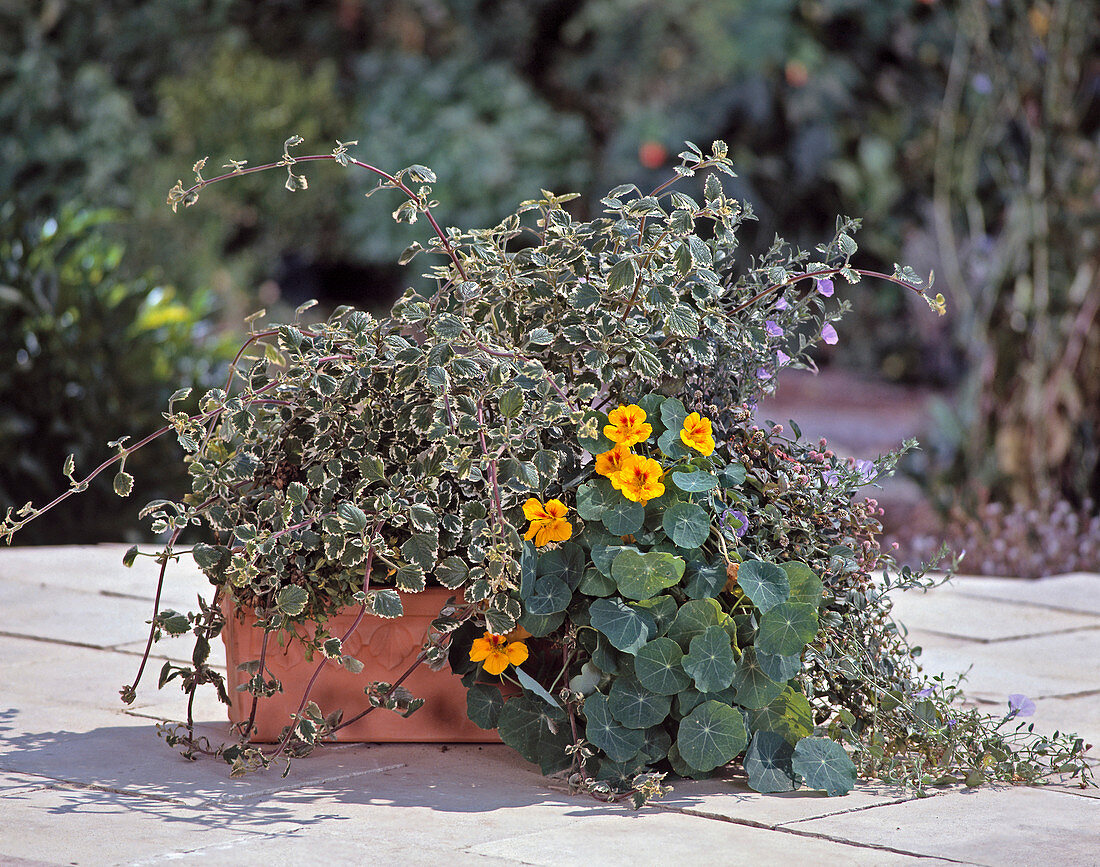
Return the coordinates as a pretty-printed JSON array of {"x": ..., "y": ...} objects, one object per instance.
[{"x": 386, "y": 648}]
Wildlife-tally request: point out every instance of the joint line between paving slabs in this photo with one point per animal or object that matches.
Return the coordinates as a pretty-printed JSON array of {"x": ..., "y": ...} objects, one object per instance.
[
  {"x": 62, "y": 783},
  {"x": 796, "y": 832},
  {"x": 1022, "y": 637},
  {"x": 1065, "y": 609},
  {"x": 5, "y": 634}
]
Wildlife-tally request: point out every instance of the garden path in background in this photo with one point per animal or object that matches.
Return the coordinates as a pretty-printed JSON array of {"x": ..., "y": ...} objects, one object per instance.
[{"x": 861, "y": 418}]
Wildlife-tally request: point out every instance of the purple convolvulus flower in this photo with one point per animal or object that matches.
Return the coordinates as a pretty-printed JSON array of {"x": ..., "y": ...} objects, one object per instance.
[
  {"x": 828, "y": 333},
  {"x": 781, "y": 304},
  {"x": 923, "y": 693},
  {"x": 866, "y": 470},
  {"x": 763, "y": 373},
  {"x": 781, "y": 357},
  {"x": 1020, "y": 705},
  {"x": 742, "y": 521},
  {"x": 772, "y": 327},
  {"x": 824, "y": 286}
]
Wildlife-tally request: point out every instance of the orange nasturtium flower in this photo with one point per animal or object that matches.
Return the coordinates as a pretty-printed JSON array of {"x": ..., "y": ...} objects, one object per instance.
[
  {"x": 628, "y": 425},
  {"x": 640, "y": 479},
  {"x": 548, "y": 522},
  {"x": 610, "y": 463},
  {"x": 697, "y": 433},
  {"x": 496, "y": 652}
]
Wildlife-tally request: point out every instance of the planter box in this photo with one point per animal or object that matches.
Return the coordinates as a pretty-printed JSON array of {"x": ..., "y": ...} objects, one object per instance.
[{"x": 386, "y": 648}]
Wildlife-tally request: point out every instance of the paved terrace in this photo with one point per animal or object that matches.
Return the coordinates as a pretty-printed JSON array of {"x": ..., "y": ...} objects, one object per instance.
[{"x": 84, "y": 781}]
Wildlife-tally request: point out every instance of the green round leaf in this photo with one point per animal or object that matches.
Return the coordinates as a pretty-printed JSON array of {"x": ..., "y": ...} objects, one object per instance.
[
  {"x": 712, "y": 735},
  {"x": 565, "y": 563},
  {"x": 768, "y": 763},
  {"x": 710, "y": 660},
  {"x": 661, "y": 608},
  {"x": 695, "y": 482},
  {"x": 655, "y": 748},
  {"x": 592, "y": 499},
  {"x": 624, "y": 627},
  {"x": 540, "y": 625},
  {"x": 806, "y": 586},
  {"x": 641, "y": 576},
  {"x": 616, "y": 740},
  {"x": 484, "y": 704},
  {"x": 687, "y": 524},
  {"x": 788, "y": 714},
  {"x": 635, "y": 706},
  {"x": 787, "y": 628},
  {"x": 733, "y": 475},
  {"x": 823, "y": 764},
  {"x": 622, "y": 517},
  {"x": 780, "y": 668},
  {"x": 673, "y": 414},
  {"x": 754, "y": 688},
  {"x": 594, "y": 583},
  {"x": 672, "y": 446},
  {"x": 658, "y": 667},
  {"x": 524, "y": 723},
  {"x": 764, "y": 583},
  {"x": 705, "y": 580},
  {"x": 693, "y": 618},
  {"x": 550, "y": 595}
]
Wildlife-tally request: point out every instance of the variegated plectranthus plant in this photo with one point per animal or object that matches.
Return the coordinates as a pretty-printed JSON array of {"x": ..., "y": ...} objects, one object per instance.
[{"x": 668, "y": 586}]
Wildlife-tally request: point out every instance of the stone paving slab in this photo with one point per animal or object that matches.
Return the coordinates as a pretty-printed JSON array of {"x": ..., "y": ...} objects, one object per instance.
[
  {"x": 1061, "y": 664},
  {"x": 98, "y": 569},
  {"x": 995, "y": 826},
  {"x": 1075, "y": 591},
  {"x": 951, "y": 611},
  {"x": 71, "y": 616}
]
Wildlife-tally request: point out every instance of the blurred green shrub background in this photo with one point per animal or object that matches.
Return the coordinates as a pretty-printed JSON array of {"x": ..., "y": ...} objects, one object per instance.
[{"x": 966, "y": 134}]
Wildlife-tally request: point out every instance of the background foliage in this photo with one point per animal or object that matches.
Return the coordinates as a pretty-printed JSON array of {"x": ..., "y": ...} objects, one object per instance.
[{"x": 964, "y": 132}]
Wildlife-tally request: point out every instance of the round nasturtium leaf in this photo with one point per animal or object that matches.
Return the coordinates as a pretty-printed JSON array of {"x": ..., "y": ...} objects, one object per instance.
[
  {"x": 780, "y": 668},
  {"x": 624, "y": 627},
  {"x": 662, "y": 609},
  {"x": 484, "y": 704},
  {"x": 764, "y": 583},
  {"x": 686, "y": 524},
  {"x": 641, "y": 576},
  {"x": 622, "y": 517},
  {"x": 693, "y": 618},
  {"x": 566, "y": 563},
  {"x": 549, "y": 596},
  {"x": 616, "y": 740},
  {"x": 592, "y": 500},
  {"x": 823, "y": 764},
  {"x": 788, "y": 714},
  {"x": 710, "y": 660},
  {"x": 635, "y": 706},
  {"x": 712, "y": 735},
  {"x": 768, "y": 763},
  {"x": 754, "y": 688},
  {"x": 786, "y": 628},
  {"x": 705, "y": 579},
  {"x": 657, "y": 667},
  {"x": 694, "y": 482},
  {"x": 806, "y": 586}
]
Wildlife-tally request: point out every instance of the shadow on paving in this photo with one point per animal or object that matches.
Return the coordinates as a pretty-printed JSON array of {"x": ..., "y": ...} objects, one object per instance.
[{"x": 128, "y": 768}]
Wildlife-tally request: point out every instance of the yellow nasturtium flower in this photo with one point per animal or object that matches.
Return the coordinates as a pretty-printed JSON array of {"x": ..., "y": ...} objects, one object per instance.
[
  {"x": 610, "y": 463},
  {"x": 496, "y": 652},
  {"x": 548, "y": 522},
  {"x": 640, "y": 479},
  {"x": 628, "y": 425},
  {"x": 697, "y": 434}
]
